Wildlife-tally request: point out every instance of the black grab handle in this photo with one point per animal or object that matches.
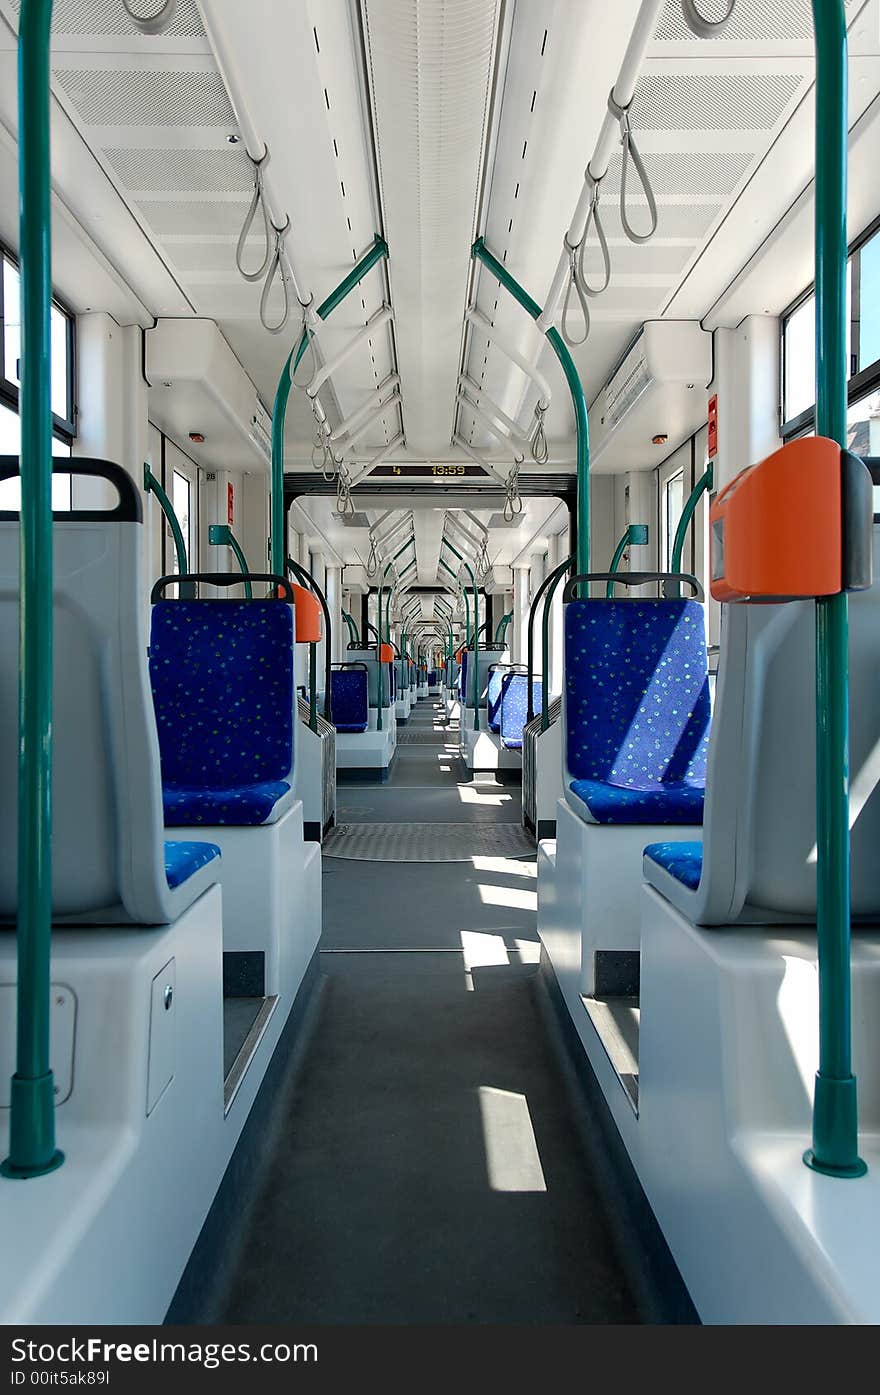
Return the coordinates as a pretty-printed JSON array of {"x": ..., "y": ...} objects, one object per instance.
[
  {"x": 220, "y": 579},
  {"x": 128, "y": 510},
  {"x": 632, "y": 579}
]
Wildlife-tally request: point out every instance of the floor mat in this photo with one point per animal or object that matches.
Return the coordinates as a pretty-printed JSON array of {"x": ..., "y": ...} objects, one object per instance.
[{"x": 427, "y": 842}]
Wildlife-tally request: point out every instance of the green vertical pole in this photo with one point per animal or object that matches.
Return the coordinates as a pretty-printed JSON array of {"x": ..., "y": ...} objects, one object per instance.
[
  {"x": 277, "y": 542},
  {"x": 32, "y": 1150},
  {"x": 704, "y": 483},
  {"x": 835, "y": 1108},
  {"x": 576, "y": 388}
]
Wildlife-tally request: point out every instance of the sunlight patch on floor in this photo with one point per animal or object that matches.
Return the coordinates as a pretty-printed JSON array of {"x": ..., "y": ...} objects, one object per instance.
[
  {"x": 509, "y": 866},
  {"x": 510, "y": 896},
  {"x": 468, "y": 795},
  {"x": 512, "y": 1158}
]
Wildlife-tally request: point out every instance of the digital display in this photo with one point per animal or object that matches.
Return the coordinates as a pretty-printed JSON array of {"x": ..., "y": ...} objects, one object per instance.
[{"x": 429, "y": 472}]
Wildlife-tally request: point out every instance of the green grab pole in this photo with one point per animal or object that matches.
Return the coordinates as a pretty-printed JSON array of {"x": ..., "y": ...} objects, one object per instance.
[
  {"x": 476, "y": 704},
  {"x": 835, "y": 1105},
  {"x": 309, "y": 582},
  {"x": 221, "y": 535},
  {"x": 705, "y": 483},
  {"x": 277, "y": 544},
  {"x": 32, "y": 1150},
  {"x": 545, "y": 646},
  {"x": 153, "y": 486},
  {"x": 576, "y": 388},
  {"x": 634, "y": 535},
  {"x": 352, "y": 627},
  {"x": 501, "y": 628},
  {"x": 530, "y": 631}
]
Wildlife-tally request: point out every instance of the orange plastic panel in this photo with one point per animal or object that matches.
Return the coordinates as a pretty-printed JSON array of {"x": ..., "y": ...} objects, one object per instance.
[
  {"x": 386, "y": 654},
  {"x": 777, "y": 529},
  {"x": 308, "y": 616}
]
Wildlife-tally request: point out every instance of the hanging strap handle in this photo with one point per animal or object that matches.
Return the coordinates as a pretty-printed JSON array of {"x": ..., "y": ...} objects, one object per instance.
[
  {"x": 257, "y": 202},
  {"x": 702, "y": 27},
  {"x": 154, "y": 23},
  {"x": 631, "y": 152},
  {"x": 574, "y": 285},
  {"x": 275, "y": 269},
  {"x": 594, "y": 217}
]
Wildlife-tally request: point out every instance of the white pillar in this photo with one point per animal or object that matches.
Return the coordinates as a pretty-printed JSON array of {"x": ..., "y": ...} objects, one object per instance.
[
  {"x": 334, "y": 605},
  {"x": 537, "y": 572},
  {"x": 520, "y": 612}
]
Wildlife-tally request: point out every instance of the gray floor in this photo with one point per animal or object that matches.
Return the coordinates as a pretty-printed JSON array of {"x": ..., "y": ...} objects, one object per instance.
[{"x": 427, "y": 1169}]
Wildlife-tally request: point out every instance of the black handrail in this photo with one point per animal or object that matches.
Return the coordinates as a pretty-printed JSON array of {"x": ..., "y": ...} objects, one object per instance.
[
  {"x": 633, "y": 579},
  {"x": 308, "y": 580},
  {"x": 220, "y": 579},
  {"x": 530, "y": 648}
]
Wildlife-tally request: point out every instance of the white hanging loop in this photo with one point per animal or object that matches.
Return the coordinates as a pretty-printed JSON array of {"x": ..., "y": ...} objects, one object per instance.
[
  {"x": 276, "y": 268},
  {"x": 310, "y": 352},
  {"x": 155, "y": 23},
  {"x": 702, "y": 27},
  {"x": 631, "y": 152},
  {"x": 373, "y": 560},
  {"x": 257, "y": 202},
  {"x": 513, "y": 504},
  {"x": 538, "y": 439},
  {"x": 594, "y": 217},
  {"x": 575, "y": 286}
]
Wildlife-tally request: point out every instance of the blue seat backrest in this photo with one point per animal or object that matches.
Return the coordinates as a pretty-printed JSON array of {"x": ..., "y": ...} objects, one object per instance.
[
  {"x": 493, "y": 698},
  {"x": 637, "y": 705},
  {"x": 223, "y": 688},
  {"x": 348, "y": 698},
  {"x": 514, "y": 706},
  {"x": 462, "y": 677}
]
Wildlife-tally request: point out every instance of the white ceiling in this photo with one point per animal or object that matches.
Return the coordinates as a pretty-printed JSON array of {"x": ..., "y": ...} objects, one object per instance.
[{"x": 428, "y": 121}]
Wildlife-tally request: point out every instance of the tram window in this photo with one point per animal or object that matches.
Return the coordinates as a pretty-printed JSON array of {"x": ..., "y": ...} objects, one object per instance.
[
  {"x": 181, "y": 499},
  {"x": 10, "y": 444},
  {"x": 61, "y": 328},
  {"x": 673, "y": 503},
  {"x": 869, "y": 302}
]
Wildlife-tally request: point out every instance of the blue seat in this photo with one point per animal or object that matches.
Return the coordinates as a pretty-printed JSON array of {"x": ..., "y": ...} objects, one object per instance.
[
  {"x": 348, "y": 699},
  {"x": 222, "y": 678},
  {"x": 183, "y": 860},
  {"x": 637, "y": 710},
  {"x": 683, "y": 861},
  {"x": 493, "y": 698},
  {"x": 513, "y": 713}
]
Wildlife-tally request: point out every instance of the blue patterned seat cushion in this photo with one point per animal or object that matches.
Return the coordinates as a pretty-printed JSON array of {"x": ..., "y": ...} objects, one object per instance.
[
  {"x": 637, "y": 709},
  {"x": 223, "y": 690},
  {"x": 183, "y": 860},
  {"x": 493, "y": 698},
  {"x": 462, "y": 677},
  {"x": 514, "y": 707},
  {"x": 348, "y": 699},
  {"x": 242, "y": 806},
  {"x": 683, "y": 861}
]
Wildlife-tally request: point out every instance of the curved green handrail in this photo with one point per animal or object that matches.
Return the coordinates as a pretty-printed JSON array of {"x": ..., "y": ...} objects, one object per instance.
[
  {"x": 501, "y": 628},
  {"x": 576, "y": 388},
  {"x": 32, "y": 1150},
  {"x": 277, "y": 545},
  {"x": 635, "y": 535},
  {"x": 556, "y": 576},
  {"x": 221, "y": 535},
  {"x": 704, "y": 483},
  {"x": 153, "y": 486},
  {"x": 476, "y": 641},
  {"x": 311, "y": 585},
  {"x": 353, "y": 633},
  {"x": 835, "y": 1107},
  {"x": 530, "y": 635}
]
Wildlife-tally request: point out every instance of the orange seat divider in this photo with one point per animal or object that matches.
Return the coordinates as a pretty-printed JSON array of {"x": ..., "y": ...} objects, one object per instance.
[{"x": 308, "y": 616}]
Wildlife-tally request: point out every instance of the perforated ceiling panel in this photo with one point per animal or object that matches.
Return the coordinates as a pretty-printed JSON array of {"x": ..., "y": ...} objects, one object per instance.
[
  {"x": 173, "y": 171},
  {"x": 107, "y": 17},
  {"x": 174, "y": 217},
  {"x": 131, "y": 97},
  {"x": 709, "y": 102},
  {"x": 675, "y": 172},
  {"x": 754, "y": 21}
]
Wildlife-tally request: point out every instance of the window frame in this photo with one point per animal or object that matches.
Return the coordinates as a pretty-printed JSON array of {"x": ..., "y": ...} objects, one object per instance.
[
  {"x": 63, "y": 428},
  {"x": 860, "y": 382}
]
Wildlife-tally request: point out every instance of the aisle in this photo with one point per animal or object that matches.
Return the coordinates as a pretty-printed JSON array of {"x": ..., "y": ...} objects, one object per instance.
[{"x": 426, "y": 1168}]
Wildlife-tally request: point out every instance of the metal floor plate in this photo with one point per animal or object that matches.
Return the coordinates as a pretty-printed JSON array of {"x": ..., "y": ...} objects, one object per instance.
[
  {"x": 426, "y": 736},
  {"x": 427, "y": 842}
]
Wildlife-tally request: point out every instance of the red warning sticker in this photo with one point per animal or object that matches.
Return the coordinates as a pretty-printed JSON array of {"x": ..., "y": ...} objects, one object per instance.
[{"x": 713, "y": 426}]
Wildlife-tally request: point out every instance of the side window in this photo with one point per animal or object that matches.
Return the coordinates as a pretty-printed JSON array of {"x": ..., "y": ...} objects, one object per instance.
[{"x": 671, "y": 505}]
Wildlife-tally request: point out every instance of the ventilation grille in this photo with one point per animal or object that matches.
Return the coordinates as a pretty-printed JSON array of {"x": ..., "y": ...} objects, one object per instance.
[
  {"x": 708, "y": 102},
  {"x": 177, "y": 171},
  {"x": 212, "y": 256},
  {"x": 674, "y": 173},
  {"x": 685, "y": 220},
  {"x": 107, "y": 17},
  {"x": 114, "y": 97},
  {"x": 754, "y": 21}
]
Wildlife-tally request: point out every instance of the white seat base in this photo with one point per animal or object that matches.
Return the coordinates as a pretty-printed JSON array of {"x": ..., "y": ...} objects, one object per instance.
[
  {"x": 596, "y": 900},
  {"x": 263, "y": 872},
  {"x": 370, "y": 749},
  {"x": 482, "y": 750}
]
